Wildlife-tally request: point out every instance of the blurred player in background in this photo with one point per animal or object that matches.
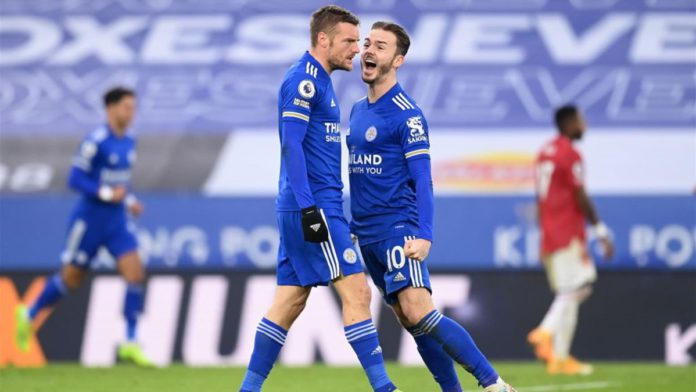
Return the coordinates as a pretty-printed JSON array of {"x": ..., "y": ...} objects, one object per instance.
[
  {"x": 563, "y": 207},
  {"x": 392, "y": 207},
  {"x": 315, "y": 243},
  {"x": 101, "y": 172}
]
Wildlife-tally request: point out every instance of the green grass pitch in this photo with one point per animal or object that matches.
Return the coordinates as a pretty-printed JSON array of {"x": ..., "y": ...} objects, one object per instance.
[{"x": 525, "y": 376}]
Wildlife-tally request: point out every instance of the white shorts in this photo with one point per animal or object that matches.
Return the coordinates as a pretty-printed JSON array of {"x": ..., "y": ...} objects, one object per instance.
[{"x": 570, "y": 268}]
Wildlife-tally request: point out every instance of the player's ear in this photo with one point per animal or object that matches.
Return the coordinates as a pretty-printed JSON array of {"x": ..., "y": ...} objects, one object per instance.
[
  {"x": 323, "y": 39},
  {"x": 398, "y": 61}
]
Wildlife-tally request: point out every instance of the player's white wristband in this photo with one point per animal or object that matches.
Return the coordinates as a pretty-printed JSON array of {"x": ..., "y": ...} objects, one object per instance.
[
  {"x": 130, "y": 200},
  {"x": 106, "y": 193},
  {"x": 601, "y": 230}
]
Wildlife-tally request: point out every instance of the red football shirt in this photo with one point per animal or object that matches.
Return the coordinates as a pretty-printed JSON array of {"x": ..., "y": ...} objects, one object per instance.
[{"x": 559, "y": 173}]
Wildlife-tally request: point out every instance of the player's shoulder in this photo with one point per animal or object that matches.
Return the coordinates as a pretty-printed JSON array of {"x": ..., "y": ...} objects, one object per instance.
[
  {"x": 360, "y": 104},
  {"x": 306, "y": 71},
  {"x": 402, "y": 104},
  {"x": 98, "y": 135}
]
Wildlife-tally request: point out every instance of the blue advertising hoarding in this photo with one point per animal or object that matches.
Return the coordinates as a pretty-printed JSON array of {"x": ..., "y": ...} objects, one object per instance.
[{"x": 471, "y": 233}]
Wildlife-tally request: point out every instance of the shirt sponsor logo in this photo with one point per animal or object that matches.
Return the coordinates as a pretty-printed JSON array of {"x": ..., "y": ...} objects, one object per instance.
[
  {"x": 333, "y": 132},
  {"x": 369, "y": 160},
  {"x": 115, "y": 176},
  {"x": 417, "y": 132}
]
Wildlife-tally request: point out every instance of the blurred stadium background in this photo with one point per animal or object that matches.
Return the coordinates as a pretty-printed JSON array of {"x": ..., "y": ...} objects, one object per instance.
[{"x": 487, "y": 73}]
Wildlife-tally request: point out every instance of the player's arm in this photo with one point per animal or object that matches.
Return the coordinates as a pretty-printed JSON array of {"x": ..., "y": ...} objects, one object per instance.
[
  {"x": 416, "y": 148},
  {"x": 588, "y": 208},
  {"x": 295, "y": 116},
  {"x": 80, "y": 180}
]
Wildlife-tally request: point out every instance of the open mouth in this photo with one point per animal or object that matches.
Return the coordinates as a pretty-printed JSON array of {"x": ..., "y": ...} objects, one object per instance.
[{"x": 370, "y": 64}]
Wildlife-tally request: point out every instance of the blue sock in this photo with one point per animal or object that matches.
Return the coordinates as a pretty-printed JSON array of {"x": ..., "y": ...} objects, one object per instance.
[
  {"x": 132, "y": 308},
  {"x": 53, "y": 291},
  {"x": 438, "y": 361},
  {"x": 457, "y": 342},
  {"x": 363, "y": 338},
  {"x": 270, "y": 338}
]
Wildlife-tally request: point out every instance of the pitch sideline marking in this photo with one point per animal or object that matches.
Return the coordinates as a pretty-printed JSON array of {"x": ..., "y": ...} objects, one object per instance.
[{"x": 569, "y": 387}]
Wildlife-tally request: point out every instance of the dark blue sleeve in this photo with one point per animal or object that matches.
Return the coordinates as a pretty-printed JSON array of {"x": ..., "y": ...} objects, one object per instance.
[
  {"x": 82, "y": 182},
  {"x": 293, "y": 133},
  {"x": 419, "y": 170},
  {"x": 298, "y": 96},
  {"x": 414, "y": 135},
  {"x": 82, "y": 164}
]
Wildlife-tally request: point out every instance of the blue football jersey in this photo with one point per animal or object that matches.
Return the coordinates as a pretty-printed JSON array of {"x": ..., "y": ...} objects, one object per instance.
[
  {"x": 382, "y": 137},
  {"x": 307, "y": 96},
  {"x": 106, "y": 159}
]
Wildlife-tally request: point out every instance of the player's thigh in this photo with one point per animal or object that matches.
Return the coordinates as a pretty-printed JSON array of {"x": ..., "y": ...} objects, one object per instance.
[
  {"x": 288, "y": 303},
  {"x": 131, "y": 267},
  {"x": 570, "y": 268},
  {"x": 83, "y": 240}
]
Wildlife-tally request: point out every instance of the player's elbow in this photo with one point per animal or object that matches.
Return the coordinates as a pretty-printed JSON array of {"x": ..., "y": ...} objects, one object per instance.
[{"x": 288, "y": 147}]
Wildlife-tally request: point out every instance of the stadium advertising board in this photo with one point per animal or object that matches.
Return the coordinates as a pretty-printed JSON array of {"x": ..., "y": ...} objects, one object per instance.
[
  {"x": 208, "y": 319},
  {"x": 471, "y": 233}
]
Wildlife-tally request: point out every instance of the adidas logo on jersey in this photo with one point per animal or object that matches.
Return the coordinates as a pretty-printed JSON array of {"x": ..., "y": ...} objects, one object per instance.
[
  {"x": 399, "y": 277},
  {"x": 315, "y": 226}
]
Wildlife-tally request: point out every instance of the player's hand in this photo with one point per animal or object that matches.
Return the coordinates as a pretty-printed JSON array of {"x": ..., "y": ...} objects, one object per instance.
[
  {"x": 417, "y": 249},
  {"x": 119, "y": 194},
  {"x": 607, "y": 248},
  {"x": 136, "y": 208},
  {"x": 313, "y": 225}
]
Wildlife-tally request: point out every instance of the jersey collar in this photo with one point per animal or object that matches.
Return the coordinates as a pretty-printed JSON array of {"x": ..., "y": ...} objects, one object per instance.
[
  {"x": 387, "y": 96},
  {"x": 321, "y": 71}
]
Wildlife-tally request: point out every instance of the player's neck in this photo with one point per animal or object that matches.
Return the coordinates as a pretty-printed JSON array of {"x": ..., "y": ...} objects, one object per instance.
[
  {"x": 376, "y": 90},
  {"x": 117, "y": 130},
  {"x": 321, "y": 60}
]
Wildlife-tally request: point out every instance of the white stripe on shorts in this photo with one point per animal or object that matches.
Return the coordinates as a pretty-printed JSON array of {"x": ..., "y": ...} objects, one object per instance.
[
  {"x": 77, "y": 232},
  {"x": 331, "y": 248}
]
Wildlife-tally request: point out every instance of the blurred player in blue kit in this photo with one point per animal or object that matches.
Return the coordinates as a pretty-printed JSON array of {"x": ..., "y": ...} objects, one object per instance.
[
  {"x": 392, "y": 208},
  {"x": 315, "y": 243},
  {"x": 101, "y": 173}
]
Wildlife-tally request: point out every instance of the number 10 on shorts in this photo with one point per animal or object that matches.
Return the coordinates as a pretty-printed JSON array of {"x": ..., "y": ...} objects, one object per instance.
[{"x": 396, "y": 258}]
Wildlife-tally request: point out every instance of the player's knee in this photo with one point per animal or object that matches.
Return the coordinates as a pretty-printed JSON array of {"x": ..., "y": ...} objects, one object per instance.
[
  {"x": 359, "y": 297},
  {"x": 415, "y": 304},
  {"x": 72, "y": 282},
  {"x": 414, "y": 314},
  {"x": 296, "y": 307},
  {"x": 72, "y": 277},
  {"x": 583, "y": 293},
  {"x": 134, "y": 276},
  {"x": 403, "y": 320}
]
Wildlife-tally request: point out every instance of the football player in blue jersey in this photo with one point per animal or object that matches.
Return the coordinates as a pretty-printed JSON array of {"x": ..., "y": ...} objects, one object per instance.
[
  {"x": 315, "y": 243},
  {"x": 101, "y": 173},
  {"x": 392, "y": 208}
]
